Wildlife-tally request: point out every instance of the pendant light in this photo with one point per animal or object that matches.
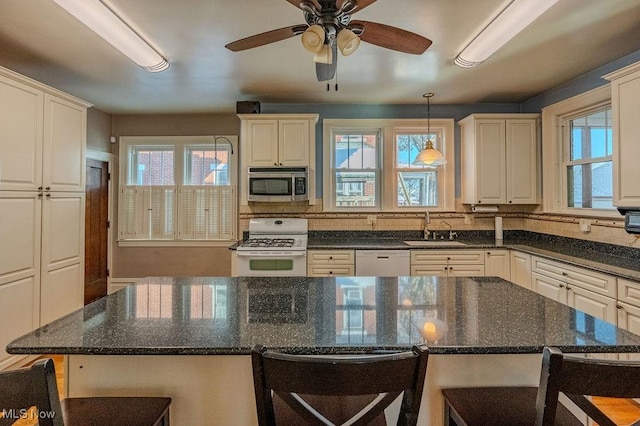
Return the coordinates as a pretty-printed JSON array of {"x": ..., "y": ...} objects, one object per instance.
[{"x": 429, "y": 156}]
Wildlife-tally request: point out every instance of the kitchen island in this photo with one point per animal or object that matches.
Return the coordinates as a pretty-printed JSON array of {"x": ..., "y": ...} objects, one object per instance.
[{"x": 189, "y": 338}]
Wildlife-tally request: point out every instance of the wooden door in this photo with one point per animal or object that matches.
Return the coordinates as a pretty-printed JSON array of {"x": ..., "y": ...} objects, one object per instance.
[{"x": 96, "y": 230}]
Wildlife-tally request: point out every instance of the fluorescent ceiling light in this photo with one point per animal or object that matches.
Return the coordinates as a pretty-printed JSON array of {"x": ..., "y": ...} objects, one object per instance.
[
  {"x": 99, "y": 18},
  {"x": 515, "y": 18}
]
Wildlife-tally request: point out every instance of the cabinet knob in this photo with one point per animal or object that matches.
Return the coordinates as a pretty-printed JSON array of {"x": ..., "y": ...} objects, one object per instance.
[
  {"x": 48, "y": 188},
  {"x": 275, "y": 164},
  {"x": 330, "y": 257},
  {"x": 281, "y": 164},
  {"x": 489, "y": 253},
  {"x": 564, "y": 274},
  {"x": 561, "y": 286},
  {"x": 330, "y": 272},
  {"x": 479, "y": 201},
  {"x": 619, "y": 307},
  {"x": 48, "y": 195},
  {"x": 40, "y": 188},
  {"x": 510, "y": 201}
]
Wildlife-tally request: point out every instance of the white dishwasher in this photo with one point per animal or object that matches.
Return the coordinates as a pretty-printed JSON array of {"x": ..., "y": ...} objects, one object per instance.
[{"x": 382, "y": 263}]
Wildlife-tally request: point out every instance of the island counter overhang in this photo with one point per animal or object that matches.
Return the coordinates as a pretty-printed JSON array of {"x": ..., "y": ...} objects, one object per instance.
[{"x": 173, "y": 317}]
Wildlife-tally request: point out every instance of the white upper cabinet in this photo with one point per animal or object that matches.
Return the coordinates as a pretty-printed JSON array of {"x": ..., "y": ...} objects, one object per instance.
[
  {"x": 21, "y": 115},
  {"x": 500, "y": 159},
  {"x": 42, "y": 138},
  {"x": 277, "y": 141},
  {"x": 625, "y": 104}
]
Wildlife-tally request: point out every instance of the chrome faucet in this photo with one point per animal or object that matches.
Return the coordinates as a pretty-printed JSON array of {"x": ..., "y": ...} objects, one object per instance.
[
  {"x": 427, "y": 221},
  {"x": 452, "y": 234}
]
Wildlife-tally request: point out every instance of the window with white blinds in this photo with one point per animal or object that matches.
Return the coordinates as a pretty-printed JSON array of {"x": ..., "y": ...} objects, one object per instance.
[{"x": 198, "y": 206}]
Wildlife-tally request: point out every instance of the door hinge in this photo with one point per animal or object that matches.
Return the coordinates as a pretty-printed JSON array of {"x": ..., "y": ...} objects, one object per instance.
[
  {"x": 108, "y": 224},
  {"x": 108, "y": 272},
  {"x": 108, "y": 176}
]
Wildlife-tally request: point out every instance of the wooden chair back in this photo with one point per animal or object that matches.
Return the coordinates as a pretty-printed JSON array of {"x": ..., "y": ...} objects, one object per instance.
[
  {"x": 28, "y": 387},
  {"x": 579, "y": 378},
  {"x": 321, "y": 390}
]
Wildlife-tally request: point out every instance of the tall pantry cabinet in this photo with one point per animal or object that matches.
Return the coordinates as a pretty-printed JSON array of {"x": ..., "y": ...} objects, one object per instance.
[{"x": 42, "y": 190}]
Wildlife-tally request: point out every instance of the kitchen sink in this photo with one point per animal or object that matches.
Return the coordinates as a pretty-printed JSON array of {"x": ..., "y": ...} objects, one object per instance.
[{"x": 434, "y": 243}]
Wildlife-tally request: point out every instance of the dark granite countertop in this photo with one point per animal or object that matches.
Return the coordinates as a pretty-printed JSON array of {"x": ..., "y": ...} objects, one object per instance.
[
  {"x": 620, "y": 261},
  {"x": 227, "y": 316}
]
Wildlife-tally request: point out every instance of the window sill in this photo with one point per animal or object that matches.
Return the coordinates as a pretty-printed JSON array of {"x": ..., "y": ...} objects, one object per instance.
[{"x": 175, "y": 243}]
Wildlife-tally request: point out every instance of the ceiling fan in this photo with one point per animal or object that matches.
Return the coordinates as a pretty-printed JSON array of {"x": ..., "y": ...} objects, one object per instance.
[{"x": 329, "y": 28}]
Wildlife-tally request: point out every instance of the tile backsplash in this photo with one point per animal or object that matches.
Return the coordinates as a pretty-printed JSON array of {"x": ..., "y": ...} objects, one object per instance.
[{"x": 593, "y": 229}]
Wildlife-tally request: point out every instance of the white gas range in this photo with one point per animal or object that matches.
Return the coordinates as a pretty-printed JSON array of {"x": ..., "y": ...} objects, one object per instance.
[{"x": 275, "y": 248}]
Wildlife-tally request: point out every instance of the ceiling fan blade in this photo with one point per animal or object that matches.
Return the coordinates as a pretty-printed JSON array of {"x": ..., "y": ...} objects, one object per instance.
[
  {"x": 361, "y": 4},
  {"x": 266, "y": 38},
  {"x": 392, "y": 37},
  {"x": 326, "y": 72}
]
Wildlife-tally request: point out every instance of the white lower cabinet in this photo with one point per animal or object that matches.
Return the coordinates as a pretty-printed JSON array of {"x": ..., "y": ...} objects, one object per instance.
[
  {"x": 448, "y": 263},
  {"x": 588, "y": 291},
  {"x": 629, "y": 310},
  {"x": 496, "y": 263},
  {"x": 520, "y": 268},
  {"x": 330, "y": 263},
  {"x": 42, "y": 270}
]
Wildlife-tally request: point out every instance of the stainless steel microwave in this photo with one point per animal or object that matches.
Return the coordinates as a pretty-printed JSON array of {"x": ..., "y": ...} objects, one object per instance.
[{"x": 275, "y": 184}]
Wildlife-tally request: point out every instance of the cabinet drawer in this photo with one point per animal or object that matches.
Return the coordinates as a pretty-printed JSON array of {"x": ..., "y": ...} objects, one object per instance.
[
  {"x": 329, "y": 271},
  {"x": 573, "y": 275},
  {"x": 629, "y": 292},
  {"x": 452, "y": 257},
  {"x": 330, "y": 257},
  {"x": 435, "y": 270},
  {"x": 466, "y": 271}
]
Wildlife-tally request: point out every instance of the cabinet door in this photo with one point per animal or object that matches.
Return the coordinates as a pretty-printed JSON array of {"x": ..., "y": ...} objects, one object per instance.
[
  {"x": 629, "y": 319},
  {"x": 63, "y": 156},
  {"x": 20, "y": 215},
  {"x": 490, "y": 157},
  {"x": 625, "y": 102},
  {"x": 594, "y": 304},
  {"x": 21, "y": 112},
  {"x": 293, "y": 147},
  {"x": 466, "y": 271},
  {"x": 262, "y": 143},
  {"x": 520, "y": 268},
  {"x": 549, "y": 287},
  {"x": 496, "y": 264},
  {"x": 438, "y": 270},
  {"x": 522, "y": 161},
  {"x": 62, "y": 285},
  {"x": 20, "y": 309}
]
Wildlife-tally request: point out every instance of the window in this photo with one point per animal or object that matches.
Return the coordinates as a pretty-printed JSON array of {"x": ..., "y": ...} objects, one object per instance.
[
  {"x": 177, "y": 188},
  {"x": 368, "y": 165},
  {"x": 577, "y": 152},
  {"x": 588, "y": 149}
]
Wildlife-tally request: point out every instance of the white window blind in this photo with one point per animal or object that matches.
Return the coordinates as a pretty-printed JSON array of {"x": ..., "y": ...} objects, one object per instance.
[
  {"x": 177, "y": 188},
  {"x": 205, "y": 212},
  {"x": 147, "y": 212}
]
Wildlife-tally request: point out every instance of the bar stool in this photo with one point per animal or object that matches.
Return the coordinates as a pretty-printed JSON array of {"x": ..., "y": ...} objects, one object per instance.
[
  {"x": 577, "y": 378},
  {"x": 36, "y": 386},
  {"x": 321, "y": 390}
]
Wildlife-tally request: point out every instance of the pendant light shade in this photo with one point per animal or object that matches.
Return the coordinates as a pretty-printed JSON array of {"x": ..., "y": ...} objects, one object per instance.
[
  {"x": 313, "y": 38},
  {"x": 324, "y": 55},
  {"x": 348, "y": 42},
  {"x": 429, "y": 156}
]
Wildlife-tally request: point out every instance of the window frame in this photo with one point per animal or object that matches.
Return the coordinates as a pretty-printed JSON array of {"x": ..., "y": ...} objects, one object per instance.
[
  {"x": 388, "y": 185},
  {"x": 555, "y": 192},
  {"x": 181, "y": 146}
]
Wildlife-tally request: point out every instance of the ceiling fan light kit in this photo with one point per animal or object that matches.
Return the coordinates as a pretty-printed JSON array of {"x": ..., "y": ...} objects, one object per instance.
[
  {"x": 328, "y": 28},
  {"x": 313, "y": 38},
  {"x": 101, "y": 20},
  {"x": 518, "y": 15}
]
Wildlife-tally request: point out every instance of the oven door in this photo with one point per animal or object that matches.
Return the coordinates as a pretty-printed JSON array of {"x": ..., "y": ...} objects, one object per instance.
[{"x": 254, "y": 263}]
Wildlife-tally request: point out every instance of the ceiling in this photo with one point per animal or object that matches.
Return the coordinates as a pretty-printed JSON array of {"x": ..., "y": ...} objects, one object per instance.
[{"x": 42, "y": 41}]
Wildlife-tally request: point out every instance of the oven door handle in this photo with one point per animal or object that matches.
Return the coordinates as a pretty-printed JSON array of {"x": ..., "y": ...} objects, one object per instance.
[{"x": 270, "y": 254}]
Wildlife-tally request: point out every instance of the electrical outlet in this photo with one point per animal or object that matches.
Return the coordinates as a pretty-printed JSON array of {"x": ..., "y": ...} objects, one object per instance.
[
  {"x": 585, "y": 225},
  {"x": 371, "y": 219}
]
